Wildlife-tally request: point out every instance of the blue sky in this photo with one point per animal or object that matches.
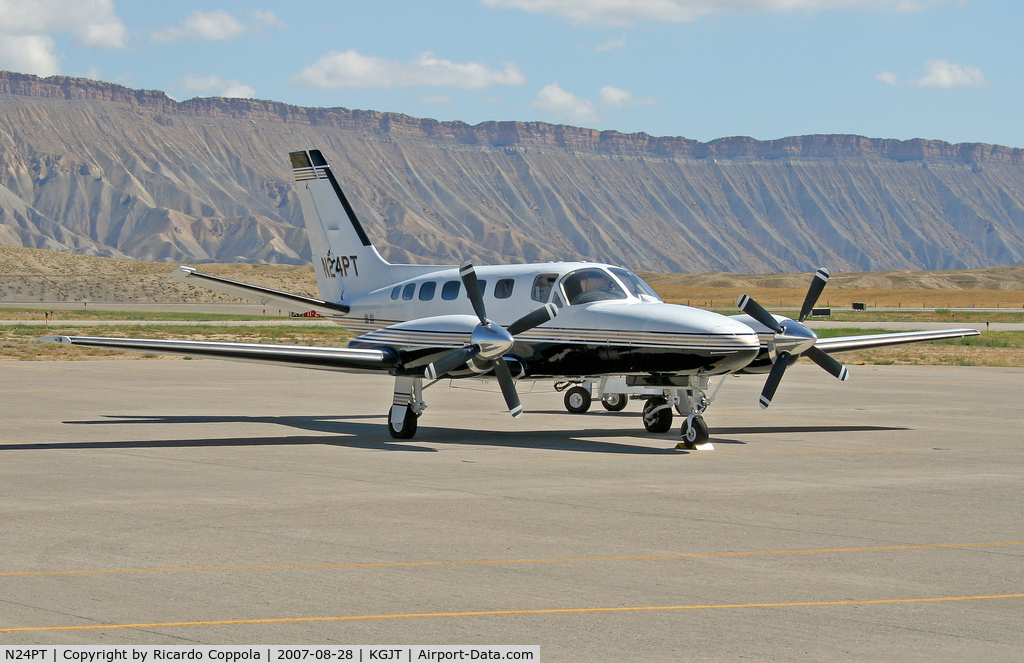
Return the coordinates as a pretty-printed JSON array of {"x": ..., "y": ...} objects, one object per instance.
[{"x": 940, "y": 69}]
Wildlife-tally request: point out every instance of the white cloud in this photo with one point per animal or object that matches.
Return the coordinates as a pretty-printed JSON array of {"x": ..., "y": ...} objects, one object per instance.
[
  {"x": 888, "y": 78},
  {"x": 554, "y": 101},
  {"x": 351, "y": 69},
  {"x": 217, "y": 25},
  {"x": 91, "y": 23},
  {"x": 607, "y": 13},
  {"x": 942, "y": 73},
  {"x": 30, "y": 54},
  {"x": 27, "y": 28},
  {"x": 436, "y": 99},
  {"x": 611, "y": 45},
  {"x": 215, "y": 86},
  {"x": 268, "y": 18},
  {"x": 557, "y": 103},
  {"x": 616, "y": 97}
]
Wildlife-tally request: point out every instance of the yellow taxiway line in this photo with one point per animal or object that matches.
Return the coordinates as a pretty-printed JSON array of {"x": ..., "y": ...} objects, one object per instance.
[
  {"x": 501, "y": 613},
  {"x": 358, "y": 565}
]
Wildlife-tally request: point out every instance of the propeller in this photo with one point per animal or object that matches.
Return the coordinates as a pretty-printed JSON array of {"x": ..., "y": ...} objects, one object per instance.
[
  {"x": 792, "y": 337},
  {"x": 490, "y": 341}
]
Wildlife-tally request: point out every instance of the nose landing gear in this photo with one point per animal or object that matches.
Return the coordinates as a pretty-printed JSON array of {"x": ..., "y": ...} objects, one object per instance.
[{"x": 695, "y": 434}]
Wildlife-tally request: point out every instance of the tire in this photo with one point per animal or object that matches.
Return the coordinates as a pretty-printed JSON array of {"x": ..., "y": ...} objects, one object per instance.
[
  {"x": 615, "y": 402},
  {"x": 408, "y": 426},
  {"x": 694, "y": 434},
  {"x": 660, "y": 422},
  {"x": 577, "y": 400}
]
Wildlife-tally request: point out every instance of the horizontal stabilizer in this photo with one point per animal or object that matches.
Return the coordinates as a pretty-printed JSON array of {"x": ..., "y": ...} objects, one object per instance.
[
  {"x": 332, "y": 359},
  {"x": 266, "y": 296}
]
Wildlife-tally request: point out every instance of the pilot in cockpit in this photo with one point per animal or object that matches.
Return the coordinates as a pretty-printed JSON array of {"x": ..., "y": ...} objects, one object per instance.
[{"x": 590, "y": 285}]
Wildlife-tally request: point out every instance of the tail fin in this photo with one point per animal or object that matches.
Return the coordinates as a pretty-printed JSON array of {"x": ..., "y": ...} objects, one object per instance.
[{"x": 346, "y": 263}]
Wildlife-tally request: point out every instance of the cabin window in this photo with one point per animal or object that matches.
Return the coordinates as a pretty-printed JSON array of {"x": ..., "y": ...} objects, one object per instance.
[
  {"x": 635, "y": 285},
  {"x": 591, "y": 284},
  {"x": 427, "y": 291},
  {"x": 542, "y": 287},
  {"x": 483, "y": 287},
  {"x": 503, "y": 288},
  {"x": 408, "y": 291},
  {"x": 450, "y": 290},
  {"x": 396, "y": 291}
]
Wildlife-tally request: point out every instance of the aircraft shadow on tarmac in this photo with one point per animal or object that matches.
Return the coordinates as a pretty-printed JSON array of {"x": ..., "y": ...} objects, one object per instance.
[{"x": 355, "y": 432}]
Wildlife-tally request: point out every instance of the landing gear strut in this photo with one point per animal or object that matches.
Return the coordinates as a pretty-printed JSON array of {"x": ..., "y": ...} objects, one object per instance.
[
  {"x": 694, "y": 400},
  {"x": 686, "y": 395}
]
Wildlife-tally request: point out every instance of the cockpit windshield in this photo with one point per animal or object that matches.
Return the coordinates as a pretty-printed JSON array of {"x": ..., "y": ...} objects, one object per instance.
[
  {"x": 636, "y": 285},
  {"x": 590, "y": 284}
]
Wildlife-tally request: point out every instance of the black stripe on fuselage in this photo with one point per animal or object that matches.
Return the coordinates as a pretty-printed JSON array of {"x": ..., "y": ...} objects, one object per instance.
[{"x": 546, "y": 360}]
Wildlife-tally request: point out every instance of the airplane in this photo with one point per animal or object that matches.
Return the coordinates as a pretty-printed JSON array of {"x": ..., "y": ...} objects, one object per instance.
[{"x": 569, "y": 322}]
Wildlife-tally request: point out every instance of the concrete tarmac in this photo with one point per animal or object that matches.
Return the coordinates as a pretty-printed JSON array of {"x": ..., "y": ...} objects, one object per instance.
[{"x": 181, "y": 502}]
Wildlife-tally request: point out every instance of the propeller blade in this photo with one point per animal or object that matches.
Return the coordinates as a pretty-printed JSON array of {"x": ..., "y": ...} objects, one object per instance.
[
  {"x": 450, "y": 361},
  {"x": 774, "y": 378},
  {"x": 533, "y": 319},
  {"x": 817, "y": 285},
  {"x": 826, "y": 361},
  {"x": 757, "y": 312},
  {"x": 508, "y": 388},
  {"x": 468, "y": 274}
]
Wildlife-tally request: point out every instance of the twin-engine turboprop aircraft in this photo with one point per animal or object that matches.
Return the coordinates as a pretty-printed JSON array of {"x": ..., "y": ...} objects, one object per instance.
[{"x": 567, "y": 321}]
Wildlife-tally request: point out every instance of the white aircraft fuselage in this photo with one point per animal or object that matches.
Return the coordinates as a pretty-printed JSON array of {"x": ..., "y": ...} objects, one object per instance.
[{"x": 620, "y": 332}]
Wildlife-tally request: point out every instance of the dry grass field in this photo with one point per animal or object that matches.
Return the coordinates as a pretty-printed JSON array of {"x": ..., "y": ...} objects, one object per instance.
[
  {"x": 35, "y": 275},
  {"x": 995, "y": 287},
  {"x": 32, "y": 275}
]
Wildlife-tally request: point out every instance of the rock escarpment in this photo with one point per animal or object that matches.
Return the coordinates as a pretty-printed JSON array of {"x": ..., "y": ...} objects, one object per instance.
[{"x": 102, "y": 169}]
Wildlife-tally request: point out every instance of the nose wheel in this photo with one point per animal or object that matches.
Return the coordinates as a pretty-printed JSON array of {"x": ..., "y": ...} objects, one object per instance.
[{"x": 694, "y": 433}]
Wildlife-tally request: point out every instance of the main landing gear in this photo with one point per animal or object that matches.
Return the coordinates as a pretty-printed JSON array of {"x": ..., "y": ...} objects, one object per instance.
[
  {"x": 406, "y": 408},
  {"x": 687, "y": 396}
]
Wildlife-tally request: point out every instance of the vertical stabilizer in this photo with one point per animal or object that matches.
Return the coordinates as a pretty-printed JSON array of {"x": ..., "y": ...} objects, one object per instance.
[{"x": 346, "y": 263}]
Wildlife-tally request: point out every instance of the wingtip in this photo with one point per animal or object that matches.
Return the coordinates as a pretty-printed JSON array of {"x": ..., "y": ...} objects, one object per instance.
[
  {"x": 62, "y": 340},
  {"x": 182, "y": 272}
]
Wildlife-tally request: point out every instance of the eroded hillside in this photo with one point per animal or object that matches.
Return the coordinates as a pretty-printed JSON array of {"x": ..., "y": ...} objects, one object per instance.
[{"x": 101, "y": 169}]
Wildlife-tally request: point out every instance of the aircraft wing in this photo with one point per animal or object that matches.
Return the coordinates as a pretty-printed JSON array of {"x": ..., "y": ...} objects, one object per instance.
[
  {"x": 869, "y": 341},
  {"x": 278, "y": 298},
  {"x": 332, "y": 359}
]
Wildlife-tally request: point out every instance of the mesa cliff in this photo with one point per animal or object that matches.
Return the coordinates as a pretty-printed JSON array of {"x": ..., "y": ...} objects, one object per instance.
[{"x": 102, "y": 169}]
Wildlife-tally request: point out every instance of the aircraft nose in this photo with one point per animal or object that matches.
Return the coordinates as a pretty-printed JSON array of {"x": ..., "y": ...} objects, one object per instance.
[{"x": 739, "y": 344}]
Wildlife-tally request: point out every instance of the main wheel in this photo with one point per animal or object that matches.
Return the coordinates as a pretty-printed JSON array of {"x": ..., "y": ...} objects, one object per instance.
[
  {"x": 408, "y": 426},
  {"x": 615, "y": 402},
  {"x": 660, "y": 421},
  {"x": 694, "y": 434},
  {"x": 577, "y": 400}
]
